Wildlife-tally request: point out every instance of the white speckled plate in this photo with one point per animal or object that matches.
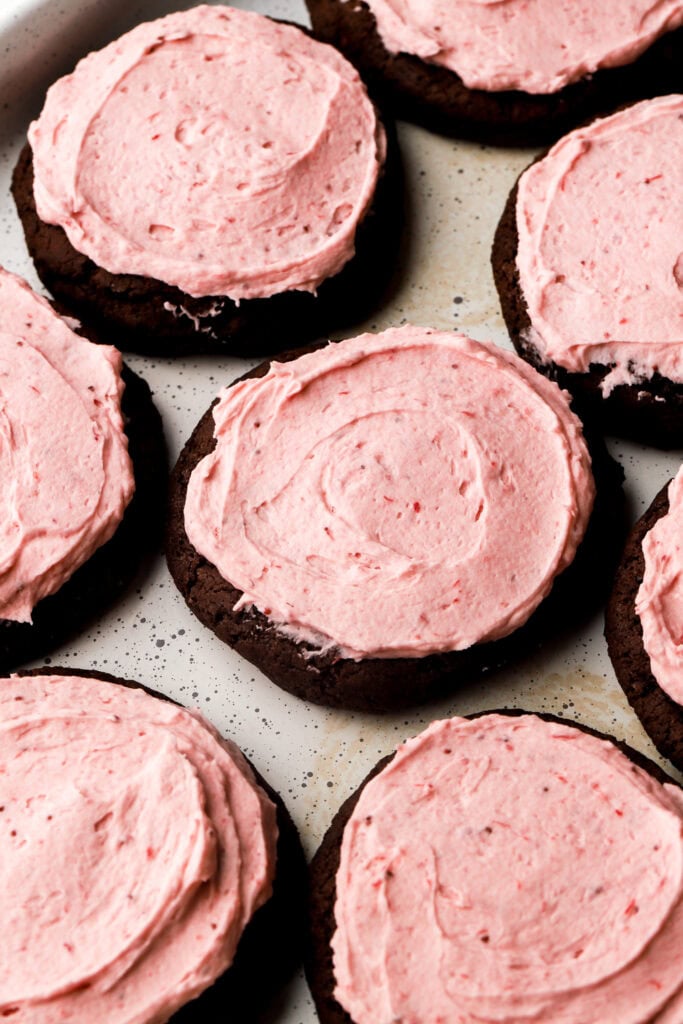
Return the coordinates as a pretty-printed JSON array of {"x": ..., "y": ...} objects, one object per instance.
[{"x": 313, "y": 757}]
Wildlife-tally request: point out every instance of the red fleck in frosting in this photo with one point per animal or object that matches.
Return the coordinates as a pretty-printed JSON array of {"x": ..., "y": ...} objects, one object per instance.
[
  {"x": 213, "y": 149},
  {"x": 600, "y": 254},
  {"x": 136, "y": 845},
  {"x": 65, "y": 473},
  {"x": 393, "y": 495},
  {"x": 538, "y": 46},
  {"x": 659, "y": 603},
  {"x": 507, "y": 870}
]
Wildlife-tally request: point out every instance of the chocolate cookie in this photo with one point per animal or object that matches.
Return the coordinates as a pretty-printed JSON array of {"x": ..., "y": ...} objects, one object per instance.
[
  {"x": 650, "y": 410},
  {"x": 325, "y": 865},
  {"x": 100, "y": 580},
  {"x": 139, "y": 314},
  {"x": 139, "y": 311},
  {"x": 437, "y": 98},
  {"x": 275, "y": 934},
  {"x": 662, "y": 717},
  {"x": 377, "y": 684}
]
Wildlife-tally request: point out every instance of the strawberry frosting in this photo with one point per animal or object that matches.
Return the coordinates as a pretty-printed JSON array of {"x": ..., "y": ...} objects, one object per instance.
[
  {"x": 506, "y": 869},
  {"x": 537, "y": 46},
  {"x": 659, "y": 602},
  {"x": 136, "y": 845},
  {"x": 380, "y": 496},
  {"x": 212, "y": 149},
  {"x": 65, "y": 473},
  {"x": 600, "y": 256}
]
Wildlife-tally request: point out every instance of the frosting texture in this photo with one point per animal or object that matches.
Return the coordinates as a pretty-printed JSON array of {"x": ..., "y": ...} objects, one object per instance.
[
  {"x": 213, "y": 149},
  {"x": 65, "y": 473},
  {"x": 136, "y": 846},
  {"x": 509, "y": 869},
  {"x": 393, "y": 495},
  {"x": 600, "y": 255},
  {"x": 537, "y": 46},
  {"x": 659, "y": 602}
]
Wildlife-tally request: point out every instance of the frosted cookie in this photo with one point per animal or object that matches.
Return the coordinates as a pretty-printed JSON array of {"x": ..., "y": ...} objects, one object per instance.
[
  {"x": 208, "y": 182},
  {"x": 366, "y": 522},
  {"x": 589, "y": 268},
  {"x": 171, "y": 869},
  {"x": 82, "y": 475},
  {"x": 504, "y": 868},
  {"x": 644, "y": 623},
  {"x": 509, "y": 71}
]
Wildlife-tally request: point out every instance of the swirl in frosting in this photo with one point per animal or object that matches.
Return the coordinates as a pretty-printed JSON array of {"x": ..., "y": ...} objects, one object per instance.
[
  {"x": 537, "y": 46},
  {"x": 213, "y": 149},
  {"x": 65, "y": 473},
  {"x": 509, "y": 869},
  {"x": 393, "y": 495},
  {"x": 136, "y": 846}
]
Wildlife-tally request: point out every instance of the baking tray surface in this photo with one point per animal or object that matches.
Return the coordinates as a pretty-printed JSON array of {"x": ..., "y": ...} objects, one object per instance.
[{"x": 312, "y": 756}]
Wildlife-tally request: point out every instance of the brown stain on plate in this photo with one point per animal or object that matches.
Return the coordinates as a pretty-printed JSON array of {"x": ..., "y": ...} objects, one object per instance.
[
  {"x": 350, "y": 745},
  {"x": 599, "y": 702}
]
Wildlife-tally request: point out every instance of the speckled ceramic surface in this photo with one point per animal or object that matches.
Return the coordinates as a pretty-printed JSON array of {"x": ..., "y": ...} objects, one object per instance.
[{"x": 313, "y": 757}]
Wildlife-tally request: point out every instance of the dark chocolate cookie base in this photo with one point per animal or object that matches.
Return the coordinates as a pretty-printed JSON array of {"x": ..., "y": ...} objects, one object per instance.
[
  {"x": 661, "y": 717},
  {"x": 650, "y": 411},
  {"x": 382, "y": 684},
  {"x": 98, "y": 582},
  {"x": 140, "y": 314},
  {"x": 437, "y": 98},
  {"x": 271, "y": 945},
  {"x": 325, "y": 864}
]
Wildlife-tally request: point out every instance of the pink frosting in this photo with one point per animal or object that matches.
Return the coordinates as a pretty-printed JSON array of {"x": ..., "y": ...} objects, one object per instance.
[
  {"x": 395, "y": 494},
  {"x": 213, "y": 149},
  {"x": 509, "y": 869},
  {"x": 66, "y": 477},
  {"x": 136, "y": 845},
  {"x": 600, "y": 254},
  {"x": 538, "y": 46},
  {"x": 659, "y": 603}
]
